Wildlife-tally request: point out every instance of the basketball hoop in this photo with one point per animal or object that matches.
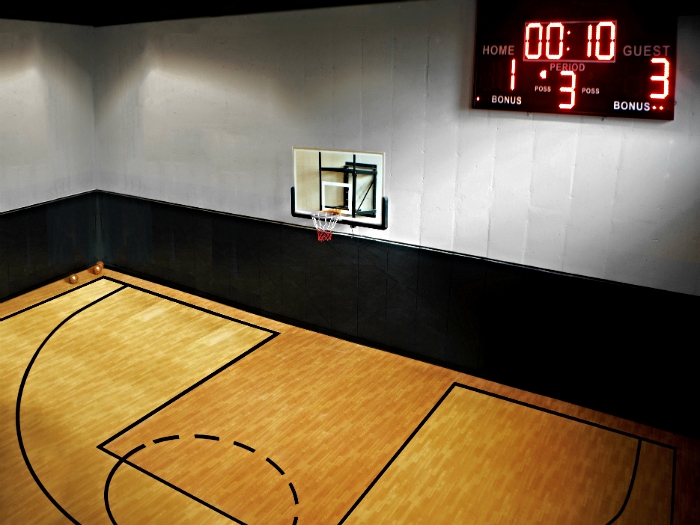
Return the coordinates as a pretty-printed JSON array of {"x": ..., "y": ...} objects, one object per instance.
[{"x": 325, "y": 221}]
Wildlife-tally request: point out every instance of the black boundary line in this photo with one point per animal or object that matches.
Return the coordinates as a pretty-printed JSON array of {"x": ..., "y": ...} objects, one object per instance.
[
  {"x": 21, "y": 392},
  {"x": 243, "y": 445},
  {"x": 189, "y": 305},
  {"x": 522, "y": 403},
  {"x": 272, "y": 335},
  {"x": 296, "y": 518},
  {"x": 566, "y": 416},
  {"x": 40, "y": 284},
  {"x": 125, "y": 460},
  {"x": 277, "y": 467},
  {"x": 206, "y": 436},
  {"x": 396, "y": 454},
  {"x": 111, "y": 475},
  {"x": 51, "y": 298},
  {"x": 309, "y": 326},
  {"x": 463, "y": 369},
  {"x": 166, "y": 438},
  {"x": 629, "y": 490},
  {"x": 102, "y": 445}
]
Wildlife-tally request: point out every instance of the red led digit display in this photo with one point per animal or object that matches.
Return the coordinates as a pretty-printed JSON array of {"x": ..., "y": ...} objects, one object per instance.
[
  {"x": 529, "y": 52},
  {"x": 558, "y": 46},
  {"x": 576, "y": 48},
  {"x": 571, "y": 89},
  {"x": 661, "y": 78},
  {"x": 597, "y": 58},
  {"x": 600, "y": 28}
]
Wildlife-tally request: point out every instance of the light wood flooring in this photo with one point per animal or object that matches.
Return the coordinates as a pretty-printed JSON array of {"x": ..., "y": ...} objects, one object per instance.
[{"x": 126, "y": 402}]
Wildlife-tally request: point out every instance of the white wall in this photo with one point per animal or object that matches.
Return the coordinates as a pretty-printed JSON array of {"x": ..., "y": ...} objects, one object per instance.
[
  {"x": 205, "y": 113},
  {"x": 46, "y": 112}
]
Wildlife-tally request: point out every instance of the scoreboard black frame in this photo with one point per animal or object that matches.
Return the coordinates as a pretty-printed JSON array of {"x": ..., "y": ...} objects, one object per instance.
[{"x": 609, "y": 59}]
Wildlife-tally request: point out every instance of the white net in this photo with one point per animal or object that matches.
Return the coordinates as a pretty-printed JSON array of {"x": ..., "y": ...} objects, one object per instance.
[{"x": 325, "y": 221}]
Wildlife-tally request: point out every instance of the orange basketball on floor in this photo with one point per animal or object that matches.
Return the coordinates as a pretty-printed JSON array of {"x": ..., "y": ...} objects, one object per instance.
[
  {"x": 97, "y": 269},
  {"x": 73, "y": 279}
]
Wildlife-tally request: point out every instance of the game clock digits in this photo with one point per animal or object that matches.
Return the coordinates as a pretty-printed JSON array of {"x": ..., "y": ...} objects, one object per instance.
[{"x": 579, "y": 58}]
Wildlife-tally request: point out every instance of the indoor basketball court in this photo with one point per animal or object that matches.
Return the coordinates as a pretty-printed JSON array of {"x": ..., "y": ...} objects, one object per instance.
[
  {"x": 214, "y": 415},
  {"x": 350, "y": 262}
]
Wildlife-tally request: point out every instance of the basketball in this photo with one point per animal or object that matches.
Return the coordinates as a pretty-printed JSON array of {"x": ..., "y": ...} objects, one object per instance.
[
  {"x": 97, "y": 269},
  {"x": 73, "y": 279}
]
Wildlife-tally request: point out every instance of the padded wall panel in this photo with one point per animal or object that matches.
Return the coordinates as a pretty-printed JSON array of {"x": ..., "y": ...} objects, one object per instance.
[
  {"x": 343, "y": 264},
  {"x": 223, "y": 252},
  {"x": 271, "y": 267},
  {"x": 202, "y": 231},
  {"x": 27, "y": 248},
  {"x": 372, "y": 290},
  {"x": 617, "y": 348},
  {"x": 401, "y": 297},
  {"x": 293, "y": 293},
  {"x": 44, "y": 242},
  {"x": 433, "y": 303},
  {"x": 126, "y": 232},
  {"x": 245, "y": 276},
  {"x": 4, "y": 270},
  {"x": 465, "y": 312}
]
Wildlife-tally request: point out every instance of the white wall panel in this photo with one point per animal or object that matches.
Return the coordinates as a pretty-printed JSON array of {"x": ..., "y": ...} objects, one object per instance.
[
  {"x": 513, "y": 167},
  {"x": 377, "y": 81},
  {"x": 554, "y": 157},
  {"x": 441, "y": 132},
  {"x": 405, "y": 175},
  {"x": 205, "y": 112},
  {"x": 118, "y": 118},
  {"x": 546, "y": 234},
  {"x": 347, "y": 82},
  {"x": 592, "y": 198},
  {"x": 474, "y": 190},
  {"x": 46, "y": 112}
]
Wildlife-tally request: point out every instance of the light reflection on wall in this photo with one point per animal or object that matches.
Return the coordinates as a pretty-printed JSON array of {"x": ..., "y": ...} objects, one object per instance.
[
  {"x": 46, "y": 117},
  {"x": 25, "y": 167}
]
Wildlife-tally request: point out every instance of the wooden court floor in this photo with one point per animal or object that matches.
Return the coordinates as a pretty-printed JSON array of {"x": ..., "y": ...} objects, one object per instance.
[{"x": 125, "y": 402}]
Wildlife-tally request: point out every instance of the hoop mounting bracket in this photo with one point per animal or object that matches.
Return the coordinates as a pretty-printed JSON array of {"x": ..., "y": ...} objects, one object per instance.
[{"x": 381, "y": 226}]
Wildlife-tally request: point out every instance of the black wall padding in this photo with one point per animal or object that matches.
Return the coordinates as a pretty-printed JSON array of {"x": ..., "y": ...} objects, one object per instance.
[
  {"x": 42, "y": 243},
  {"x": 620, "y": 349}
]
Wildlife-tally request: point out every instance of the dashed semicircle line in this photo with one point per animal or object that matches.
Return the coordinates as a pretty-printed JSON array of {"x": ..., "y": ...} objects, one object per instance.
[{"x": 175, "y": 437}]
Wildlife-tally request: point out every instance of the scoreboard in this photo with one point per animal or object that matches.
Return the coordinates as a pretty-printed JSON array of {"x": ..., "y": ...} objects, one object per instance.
[{"x": 611, "y": 59}]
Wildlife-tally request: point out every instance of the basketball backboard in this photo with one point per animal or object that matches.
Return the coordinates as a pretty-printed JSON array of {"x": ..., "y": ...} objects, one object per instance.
[{"x": 350, "y": 182}]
